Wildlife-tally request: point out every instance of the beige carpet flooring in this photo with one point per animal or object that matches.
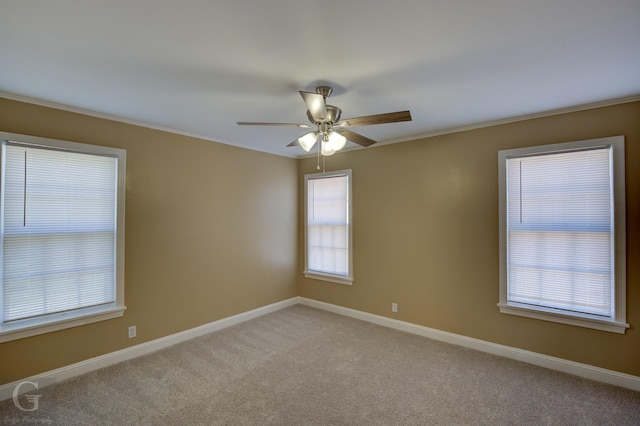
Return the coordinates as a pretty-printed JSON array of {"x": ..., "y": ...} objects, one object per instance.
[{"x": 303, "y": 366}]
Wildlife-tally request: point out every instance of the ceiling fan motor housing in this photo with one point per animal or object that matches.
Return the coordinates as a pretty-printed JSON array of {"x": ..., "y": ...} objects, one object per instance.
[{"x": 333, "y": 115}]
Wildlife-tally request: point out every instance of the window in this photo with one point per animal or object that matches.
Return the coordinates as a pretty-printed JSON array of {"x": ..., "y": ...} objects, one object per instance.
[
  {"x": 328, "y": 227},
  {"x": 62, "y": 222},
  {"x": 562, "y": 233}
]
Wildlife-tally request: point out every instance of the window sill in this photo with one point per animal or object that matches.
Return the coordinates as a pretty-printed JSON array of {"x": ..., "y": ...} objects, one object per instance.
[
  {"x": 554, "y": 316},
  {"x": 36, "y": 326},
  {"x": 328, "y": 277}
]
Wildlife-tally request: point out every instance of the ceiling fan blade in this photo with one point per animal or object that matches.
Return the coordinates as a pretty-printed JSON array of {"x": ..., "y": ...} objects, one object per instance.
[
  {"x": 254, "y": 123},
  {"x": 391, "y": 117},
  {"x": 316, "y": 104},
  {"x": 356, "y": 137},
  {"x": 294, "y": 142}
]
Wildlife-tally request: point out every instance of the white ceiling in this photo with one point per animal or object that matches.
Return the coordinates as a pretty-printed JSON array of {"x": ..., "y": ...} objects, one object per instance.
[{"x": 198, "y": 67}]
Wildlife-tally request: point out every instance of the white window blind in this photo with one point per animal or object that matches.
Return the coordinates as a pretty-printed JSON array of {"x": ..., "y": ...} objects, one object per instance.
[
  {"x": 59, "y": 231},
  {"x": 328, "y": 232},
  {"x": 560, "y": 229}
]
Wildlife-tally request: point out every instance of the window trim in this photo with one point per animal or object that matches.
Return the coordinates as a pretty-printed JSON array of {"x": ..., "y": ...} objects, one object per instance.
[
  {"x": 60, "y": 321},
  {"x": 317, "y": 275},
  {"x": 617, "y": 323}
]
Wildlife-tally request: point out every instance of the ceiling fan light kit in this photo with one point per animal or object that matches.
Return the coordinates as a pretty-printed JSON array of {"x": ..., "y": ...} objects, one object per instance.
[
  {"x": 330, "y": 142},
  {"x": 329, "y": 130}
]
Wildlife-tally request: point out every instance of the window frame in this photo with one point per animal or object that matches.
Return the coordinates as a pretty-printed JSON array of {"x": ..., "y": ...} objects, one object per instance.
[
  {"x": 59, "y": 321},
  {"x": 318, "y": 275},
  {"x": 617, "y": 322}
]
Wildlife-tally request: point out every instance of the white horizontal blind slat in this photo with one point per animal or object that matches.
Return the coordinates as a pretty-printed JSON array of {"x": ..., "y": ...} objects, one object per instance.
[
  {"x": 560, "y": 227},
  {"x": 328, "y": 225},
  {"x": 59, "y": 231}
]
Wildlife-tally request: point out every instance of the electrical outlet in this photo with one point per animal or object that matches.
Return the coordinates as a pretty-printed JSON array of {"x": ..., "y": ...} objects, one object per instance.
[
  {"x": 394, "y": 307},
  {"x": 132, "y": 331}
]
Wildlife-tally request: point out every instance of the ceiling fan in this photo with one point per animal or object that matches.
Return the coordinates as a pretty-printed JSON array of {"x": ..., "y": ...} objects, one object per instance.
[{"x": 328, "y": 128}]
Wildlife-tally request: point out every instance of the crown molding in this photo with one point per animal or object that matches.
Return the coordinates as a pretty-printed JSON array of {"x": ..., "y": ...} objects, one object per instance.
[
  {"x": 456, "y": 129},
  {"x": 517, "y": 118},
  {"x": 116, "y": 118}
]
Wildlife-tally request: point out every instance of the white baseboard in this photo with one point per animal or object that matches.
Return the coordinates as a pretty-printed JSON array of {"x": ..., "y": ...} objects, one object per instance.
[
  {"x": 582, "y": 370},
  {"x": 92, "y": 364},
  {"x": 558, "y": 364}
]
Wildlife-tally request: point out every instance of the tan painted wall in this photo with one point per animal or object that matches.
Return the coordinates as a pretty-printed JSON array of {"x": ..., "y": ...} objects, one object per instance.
[
  {"x": 210, "y": 232},
  {"x": 426, "y": 235}
]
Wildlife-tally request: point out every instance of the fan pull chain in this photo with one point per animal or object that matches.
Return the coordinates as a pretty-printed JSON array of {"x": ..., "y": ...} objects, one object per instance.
[{"x": 318, "y": 166}]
